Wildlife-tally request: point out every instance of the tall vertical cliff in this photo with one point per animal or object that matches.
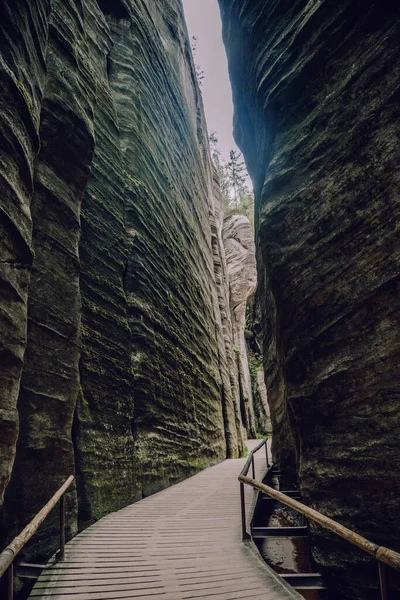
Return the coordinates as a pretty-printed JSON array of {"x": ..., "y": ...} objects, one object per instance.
[
  {"x": 116, "y": 364},
  {"x": 239, "y": 248},
  {"x": 317, "y": 116},
  {"x": 24, "y": 44}
]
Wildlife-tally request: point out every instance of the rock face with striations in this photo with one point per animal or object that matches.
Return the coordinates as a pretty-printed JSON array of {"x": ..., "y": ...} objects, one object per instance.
[
  {"x": 315, "y": 87},
  {"x": 238, "y": 238},
  {"x": 23, "y": 38},
  {"x": 115, "y": 361}
]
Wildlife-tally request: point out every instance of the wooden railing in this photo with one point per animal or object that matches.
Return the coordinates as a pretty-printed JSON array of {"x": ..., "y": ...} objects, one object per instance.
[
  {"x": 8, "y": 555},
  {"x": 383, "y": 555}
]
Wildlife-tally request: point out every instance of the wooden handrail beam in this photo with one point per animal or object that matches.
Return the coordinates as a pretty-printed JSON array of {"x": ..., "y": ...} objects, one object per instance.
[
  {"x": 382, "y": 554},
  {"x": 9, "y": 553},
  {"x": 389, "y": 557}
]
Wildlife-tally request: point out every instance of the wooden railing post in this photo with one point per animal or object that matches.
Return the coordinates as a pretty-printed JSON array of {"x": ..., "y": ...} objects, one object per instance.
[{"x": 253, "y": 467}]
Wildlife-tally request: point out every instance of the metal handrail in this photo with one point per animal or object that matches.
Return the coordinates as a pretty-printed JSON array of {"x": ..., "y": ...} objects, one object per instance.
[
  {"x": 243, "y": 473},
  {"x": 9, "y": 554},
  {"x": 383, "y": 555},
  {"x": 250, "y": 458}
]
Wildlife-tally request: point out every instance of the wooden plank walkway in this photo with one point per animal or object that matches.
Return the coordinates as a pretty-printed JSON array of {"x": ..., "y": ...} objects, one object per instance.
[{"x": 183, "y": 543}]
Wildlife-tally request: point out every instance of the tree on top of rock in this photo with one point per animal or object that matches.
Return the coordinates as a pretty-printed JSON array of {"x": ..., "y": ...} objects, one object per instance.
[
  {"x": 236, "y": 195},
  {"x": 220, "y": 165},
  {"x": 237, "y": 175},
  {"x": 199, "y": 71}
]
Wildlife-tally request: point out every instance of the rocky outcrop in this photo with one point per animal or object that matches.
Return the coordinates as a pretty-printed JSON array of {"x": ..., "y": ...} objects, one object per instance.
[
  {"x": 115, "y": 324},
  {"x": 238, "y": 238},
  {"x": 230, "y": 373},
  {"x": 316, "y": 93}
]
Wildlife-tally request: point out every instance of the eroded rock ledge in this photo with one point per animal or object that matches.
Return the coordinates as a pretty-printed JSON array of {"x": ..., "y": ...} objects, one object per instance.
[{"x": 317, "y": 117}]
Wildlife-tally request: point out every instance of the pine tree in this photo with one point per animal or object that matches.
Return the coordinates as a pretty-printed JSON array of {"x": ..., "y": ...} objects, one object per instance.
[
  {"x": 236, "y": 196},
  {"x": 237, "y": 174},
  {"x": 247, "y": 205},
  {"x": 221, "y": 167},
  {"x": 199, "y": 71}
]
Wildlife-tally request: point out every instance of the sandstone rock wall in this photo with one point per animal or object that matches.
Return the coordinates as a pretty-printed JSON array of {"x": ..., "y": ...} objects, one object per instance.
[
  {"x": 254, "y": 339},
  {"x": 23, "y": 37},
  {"x": 114, "y": 323},
  {"x": 229, "y": 372},
  {"x": 50, "y": 378},
  {"x": 177, "y": 352},
  {"x": 317, "y": 116},
  {"x": 238, "y": 238},
  {"x": 103, "y": 436}
]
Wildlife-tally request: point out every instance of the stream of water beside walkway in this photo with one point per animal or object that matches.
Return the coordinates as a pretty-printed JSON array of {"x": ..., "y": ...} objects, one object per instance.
[{"x": 284, "y": 555}]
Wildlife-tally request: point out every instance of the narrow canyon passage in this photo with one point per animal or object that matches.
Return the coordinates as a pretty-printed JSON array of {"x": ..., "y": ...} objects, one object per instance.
[
  {"x": 164, "y": 298},
  {"x": 178, "y": 544}
]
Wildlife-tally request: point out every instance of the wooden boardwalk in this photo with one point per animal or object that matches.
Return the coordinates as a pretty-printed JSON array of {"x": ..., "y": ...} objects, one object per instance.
[{"x": 183, "y": 543}]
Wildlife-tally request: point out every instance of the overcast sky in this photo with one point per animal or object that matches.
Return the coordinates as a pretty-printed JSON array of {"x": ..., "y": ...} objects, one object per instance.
[{"x": 204, "y": 22}]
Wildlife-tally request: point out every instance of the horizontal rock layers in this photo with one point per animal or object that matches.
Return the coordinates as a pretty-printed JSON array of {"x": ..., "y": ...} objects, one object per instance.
[
  {"x": 50, "y": 381},
  {"x": 115, "y": 327},
  {"x": 254, "y": 338},
  {"x": 173, "y": 311},
  {"x": 316, "y": 94},
  {"x": 23, "y": 36},
  {"x": 238, "y": 238}
]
